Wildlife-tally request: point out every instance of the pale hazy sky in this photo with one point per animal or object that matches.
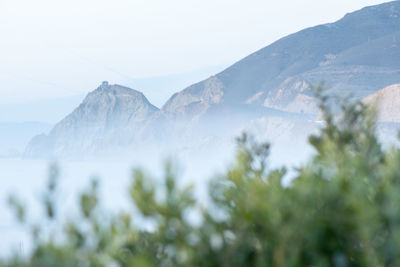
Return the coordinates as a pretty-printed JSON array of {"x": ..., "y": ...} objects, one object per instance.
[{"x": 58, "y": 48}]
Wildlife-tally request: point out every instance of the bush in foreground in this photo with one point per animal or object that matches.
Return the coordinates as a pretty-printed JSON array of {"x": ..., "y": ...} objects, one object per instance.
[{"x": 342, "y": 209}]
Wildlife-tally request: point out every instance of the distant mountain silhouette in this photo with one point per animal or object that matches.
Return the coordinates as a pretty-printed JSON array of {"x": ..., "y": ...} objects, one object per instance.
[{"x": 14, "y": 136}]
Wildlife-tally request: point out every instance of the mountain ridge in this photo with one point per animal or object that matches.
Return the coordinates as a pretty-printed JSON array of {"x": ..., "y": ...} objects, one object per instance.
[
  {"x": 263, "y": 72},
  {"x": 354, "y": 54}
]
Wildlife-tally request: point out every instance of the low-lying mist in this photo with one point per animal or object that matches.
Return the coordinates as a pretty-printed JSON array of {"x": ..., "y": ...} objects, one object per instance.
[
  {"x": 199, "y": 155},
  {"x": 199, "y": 152}
]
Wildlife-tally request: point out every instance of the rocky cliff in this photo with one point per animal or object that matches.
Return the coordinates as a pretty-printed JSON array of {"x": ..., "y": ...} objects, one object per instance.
[{"x": 111, "y": 115}]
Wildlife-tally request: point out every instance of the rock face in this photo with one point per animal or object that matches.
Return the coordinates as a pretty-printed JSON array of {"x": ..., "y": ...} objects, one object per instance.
[
  {"x": 358, "y": 54},
  {"x": 197, "y": 98},
  {"x": 387, "y": 102},
  {"x": 110, "y": 115}
]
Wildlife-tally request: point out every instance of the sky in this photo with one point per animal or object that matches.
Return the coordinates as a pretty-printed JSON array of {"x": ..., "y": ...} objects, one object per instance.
[{"x": 63, "y": 48}]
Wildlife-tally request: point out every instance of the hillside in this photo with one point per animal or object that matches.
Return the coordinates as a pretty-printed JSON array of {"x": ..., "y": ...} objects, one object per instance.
[{"x": 357, "y": 54}]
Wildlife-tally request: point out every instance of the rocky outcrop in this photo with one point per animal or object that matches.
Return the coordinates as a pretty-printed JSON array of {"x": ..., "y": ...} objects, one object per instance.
[
  {"x": 196, "y": 99},
  {"x": 110, "y": 115},
  {"x": 387, "y": 103}
]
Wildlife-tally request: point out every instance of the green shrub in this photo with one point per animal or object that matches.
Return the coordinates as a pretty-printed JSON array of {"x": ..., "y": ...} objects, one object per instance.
[{"x": 341, "y": 209}]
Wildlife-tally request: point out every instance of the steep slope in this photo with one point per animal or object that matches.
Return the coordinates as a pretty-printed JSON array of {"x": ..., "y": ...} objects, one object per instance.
[
  {"x": 110, "y": 115},
  {"x": 359, "y": 53},
  {"x": 387, "y": 101}
]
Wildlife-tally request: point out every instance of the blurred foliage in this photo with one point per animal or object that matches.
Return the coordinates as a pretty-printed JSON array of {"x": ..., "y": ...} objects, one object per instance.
[{"x": 341, "y": 209}]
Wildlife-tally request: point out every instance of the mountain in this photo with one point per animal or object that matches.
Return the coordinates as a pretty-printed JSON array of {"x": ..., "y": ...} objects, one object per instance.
[
  {"x": 111, "y": 115},
  {"x": 268, "y": 91},
  {"x": 358, "y": 54},
  {"x": 387, "y": 101}
]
